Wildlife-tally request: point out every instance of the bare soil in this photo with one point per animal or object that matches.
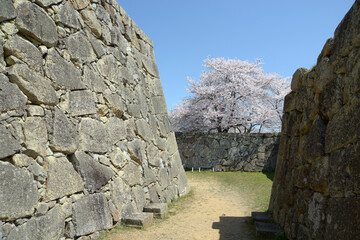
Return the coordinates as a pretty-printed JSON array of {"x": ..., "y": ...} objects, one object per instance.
[{"x": 213, "y": 212}]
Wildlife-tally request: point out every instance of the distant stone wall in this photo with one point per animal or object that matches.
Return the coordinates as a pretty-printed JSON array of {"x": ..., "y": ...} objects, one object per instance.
[
  {"x": 254, "y": 152},
  {"x": 84, "y": 131},
  {"x": 316, "y": 190}
]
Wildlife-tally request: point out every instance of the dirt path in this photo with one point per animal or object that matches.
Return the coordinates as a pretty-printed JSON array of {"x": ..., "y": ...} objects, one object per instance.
[{"x": 214, "y": 212}]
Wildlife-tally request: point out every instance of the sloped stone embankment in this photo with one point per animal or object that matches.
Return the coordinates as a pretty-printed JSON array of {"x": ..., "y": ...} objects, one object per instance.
[
  {"x": 316, "y": 191},
  {"x": 84, "y": 132}
]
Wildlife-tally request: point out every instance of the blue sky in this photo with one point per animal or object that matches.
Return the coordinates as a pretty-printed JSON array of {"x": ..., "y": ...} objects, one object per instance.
[{"x": 286, "y": 34}]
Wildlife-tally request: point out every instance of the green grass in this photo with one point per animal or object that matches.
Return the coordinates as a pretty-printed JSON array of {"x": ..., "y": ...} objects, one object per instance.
[
  {"x": 116, "y": 230},
  {"x": 255, "y": 187},
  {"x": 180, "y": 203}
]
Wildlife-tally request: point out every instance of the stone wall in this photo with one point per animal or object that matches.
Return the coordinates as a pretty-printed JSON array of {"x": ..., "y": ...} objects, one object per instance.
[
  {"x": 84, "y": 131},
  {"x": 228, "y": 151},
  {"x": 316, "y": 190}
]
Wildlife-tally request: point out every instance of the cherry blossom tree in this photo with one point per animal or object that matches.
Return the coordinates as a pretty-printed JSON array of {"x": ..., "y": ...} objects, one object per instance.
[{"x": 232, "y": 96}]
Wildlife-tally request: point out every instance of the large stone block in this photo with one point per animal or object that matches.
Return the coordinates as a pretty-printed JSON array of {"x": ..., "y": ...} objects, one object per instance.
[
  {"x": 175, "y": 165},
  {"x": 120, "y": 194},
  {"x": 132, "y": 174},
  {"x": 98, "y": 45},
  {"x": 29, "y": 17},
  {"x": 63, "y": 73},
  {"x": 150, "y": 65},
  {"x": 24, "y": 50},
  {"x": 93, "y": 81},
  {"x": 315, "y": 141},
  {"x": 37, "y": 88},
  {"x": 80, "y": 48},
  {"x": 137, "y": 150},
  {"x": 47, "y": 3},
  {"x": 68, "y": 16},
  {"x": 94, "y": 174},
  {"x": 8, "y": 144},
  {"x": 62, "y": 179},
  {"x": 91, "y": 21},
  {"x": 36, "y": 136},
  {"x": 108, "y": 68},
  {"x": 171, "y": 145},
  {"x": 342, "y": 220},
  {"x": 183, "y": 185},
  {"x": 159, "y": 104},
  {"x": 118, "y": 158},
  {"x": 153, "y": 155},
  {"x": 139, "y": 197},
  {"x": 81, "y": 103},
  {"x": 339, "y": 134},
  {"x": 91, "y": 214},
  {"x": 143, "y": 130},
  {"x": 331, "y": 99},
  {"x": 116, "y": 104},
  {"x": 93, "y": 136},
  {"x": 19, "y": 194},
  {"x": 47, "y": 227},
  {"x": 7, "y": 10},
  {"x": 164, "y": 178},
  {"x": 79, "y": 4},
  {"x": 64, "y": 137},
  {"x": 116, "y": 129}
]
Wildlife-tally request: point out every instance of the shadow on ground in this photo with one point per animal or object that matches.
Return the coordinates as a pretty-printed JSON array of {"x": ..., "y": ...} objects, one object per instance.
[
  {"x": 234, "y": 228},
  {"x": 269, "y": 175}
]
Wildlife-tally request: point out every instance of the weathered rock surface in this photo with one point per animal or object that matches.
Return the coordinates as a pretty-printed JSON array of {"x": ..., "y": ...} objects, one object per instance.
[
  {"x": 8, "y": 144},
  {"x": 25, "y": 51},
  {"x": 93, "y": 80},
  {"x": 80, "y": 48},
  {"x": 91, "y": 214},
  {"x": 116, "y": 129},
  {"x": 63, "y": 73},
  {"x": 116, "y": 104},
  {"x": 118, "y": 190},
  {"x": 159, "y": 104},
  {"x": 47, "y": 227},
  {"x": 139, "y": 197},
  {"x": 81, "y": 103},
  {"x": 7, "y": 10},
  {"x": 36, "y": 136},
  {"x": 316, "y": 185},
  {"x": 94, "y": 174},
  {"x": 37, "y": 88},
  {"x": 132, "y": 174},
  {"x": 65, "y": 134},
  {"x": 137, "y": 151},
  {"x": 59, "y": 186},
  {"x": 18, "y": 99},
  {"x": 68, "y": 16},
  {"x": 93, "y": 136},
  {"x": 92, "y": 22},
  {"x": 29, "y": 15},
  {"x": 19, "y": 195},
  {"x": 143, "y": 130},
  {"x": 46, "y": 3}
]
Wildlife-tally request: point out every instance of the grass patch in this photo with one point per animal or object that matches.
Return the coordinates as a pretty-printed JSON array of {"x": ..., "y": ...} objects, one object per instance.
[
  {"x": 180, "y": 203},
  {"x": 114, "y": 231},
  {"x": 254, "y": 186}
]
